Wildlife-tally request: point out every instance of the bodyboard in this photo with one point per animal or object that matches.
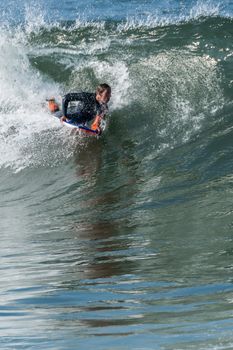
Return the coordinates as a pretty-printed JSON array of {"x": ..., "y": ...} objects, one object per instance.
[{"x": 54, "y": 109}]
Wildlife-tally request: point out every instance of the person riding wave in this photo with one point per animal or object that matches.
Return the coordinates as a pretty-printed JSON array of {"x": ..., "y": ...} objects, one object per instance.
[{"x": 88, "y": 106}]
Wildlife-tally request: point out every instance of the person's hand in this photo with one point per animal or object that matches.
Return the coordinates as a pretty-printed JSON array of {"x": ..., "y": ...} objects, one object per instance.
[
  {"x": 98, "y": 131},
  {"x": 63, "y": 119}
]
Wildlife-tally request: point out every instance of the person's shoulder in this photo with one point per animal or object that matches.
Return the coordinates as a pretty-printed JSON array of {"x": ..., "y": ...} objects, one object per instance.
[
  {"x": 84, "y": 95},
  {"x": 91, "y": 94},
  {"x": 88, "y": 94}
]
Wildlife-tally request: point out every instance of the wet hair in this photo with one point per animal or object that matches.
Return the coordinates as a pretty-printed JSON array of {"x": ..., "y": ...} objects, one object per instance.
[{"x": 103, "y": 87}]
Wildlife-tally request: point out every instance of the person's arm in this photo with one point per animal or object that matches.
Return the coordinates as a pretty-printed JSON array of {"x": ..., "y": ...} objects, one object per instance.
[
  {"x": 101, "y": 113},
  {"x": 96, "y": 123},
  {"x": 68, "y": 98}
]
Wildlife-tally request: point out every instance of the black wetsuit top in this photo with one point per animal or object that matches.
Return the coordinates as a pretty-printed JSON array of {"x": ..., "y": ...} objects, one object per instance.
[{"x": 86, "y": 108}]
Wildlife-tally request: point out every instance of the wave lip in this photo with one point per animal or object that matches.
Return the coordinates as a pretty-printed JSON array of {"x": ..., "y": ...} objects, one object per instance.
[
  {"x": 35, "y": 16},
  {"x": 154, "y": 20},
  {"x": 205, "y": 9}
]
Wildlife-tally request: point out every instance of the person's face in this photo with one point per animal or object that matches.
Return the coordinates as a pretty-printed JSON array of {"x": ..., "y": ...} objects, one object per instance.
[{"x": 104, "y": 97}]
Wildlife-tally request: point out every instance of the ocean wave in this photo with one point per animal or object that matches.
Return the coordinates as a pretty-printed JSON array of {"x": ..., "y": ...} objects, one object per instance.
[
  {"x": 35, "y": 17},
  {"x": 202, "y": 10},
  {"x": 170, "y": 81}
]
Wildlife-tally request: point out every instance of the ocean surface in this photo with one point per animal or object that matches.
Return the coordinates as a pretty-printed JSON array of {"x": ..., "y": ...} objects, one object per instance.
[{"x": 126, "y": 241}]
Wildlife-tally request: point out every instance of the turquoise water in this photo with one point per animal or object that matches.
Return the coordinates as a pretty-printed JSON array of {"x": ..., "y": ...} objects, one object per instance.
[{"x": 121, "y": 242}]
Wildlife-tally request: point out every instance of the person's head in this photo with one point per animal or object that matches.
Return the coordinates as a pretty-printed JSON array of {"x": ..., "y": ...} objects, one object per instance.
[{"x": 103, "y": 93}]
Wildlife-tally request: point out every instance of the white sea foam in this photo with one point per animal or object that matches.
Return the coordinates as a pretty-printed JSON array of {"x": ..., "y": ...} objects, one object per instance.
[
  {"x": 151, "y": 21},
  {"x": 34, "y": 18},
  {"x": 204, "y": 9},
  {"x": 82, "y": 22},
  {"x": 157, "y": 19},
  {"x": 114, "y": 73},
  {"x": 187, "y": 89},
  {"x": 22, "y": 91},
  {"x": 118, "y": 74}
]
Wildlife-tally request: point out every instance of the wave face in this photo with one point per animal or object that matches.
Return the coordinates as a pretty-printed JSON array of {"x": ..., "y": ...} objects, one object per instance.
[
  {"x": 169, "y": 81},
  {"x": 125, "y": 241}
]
